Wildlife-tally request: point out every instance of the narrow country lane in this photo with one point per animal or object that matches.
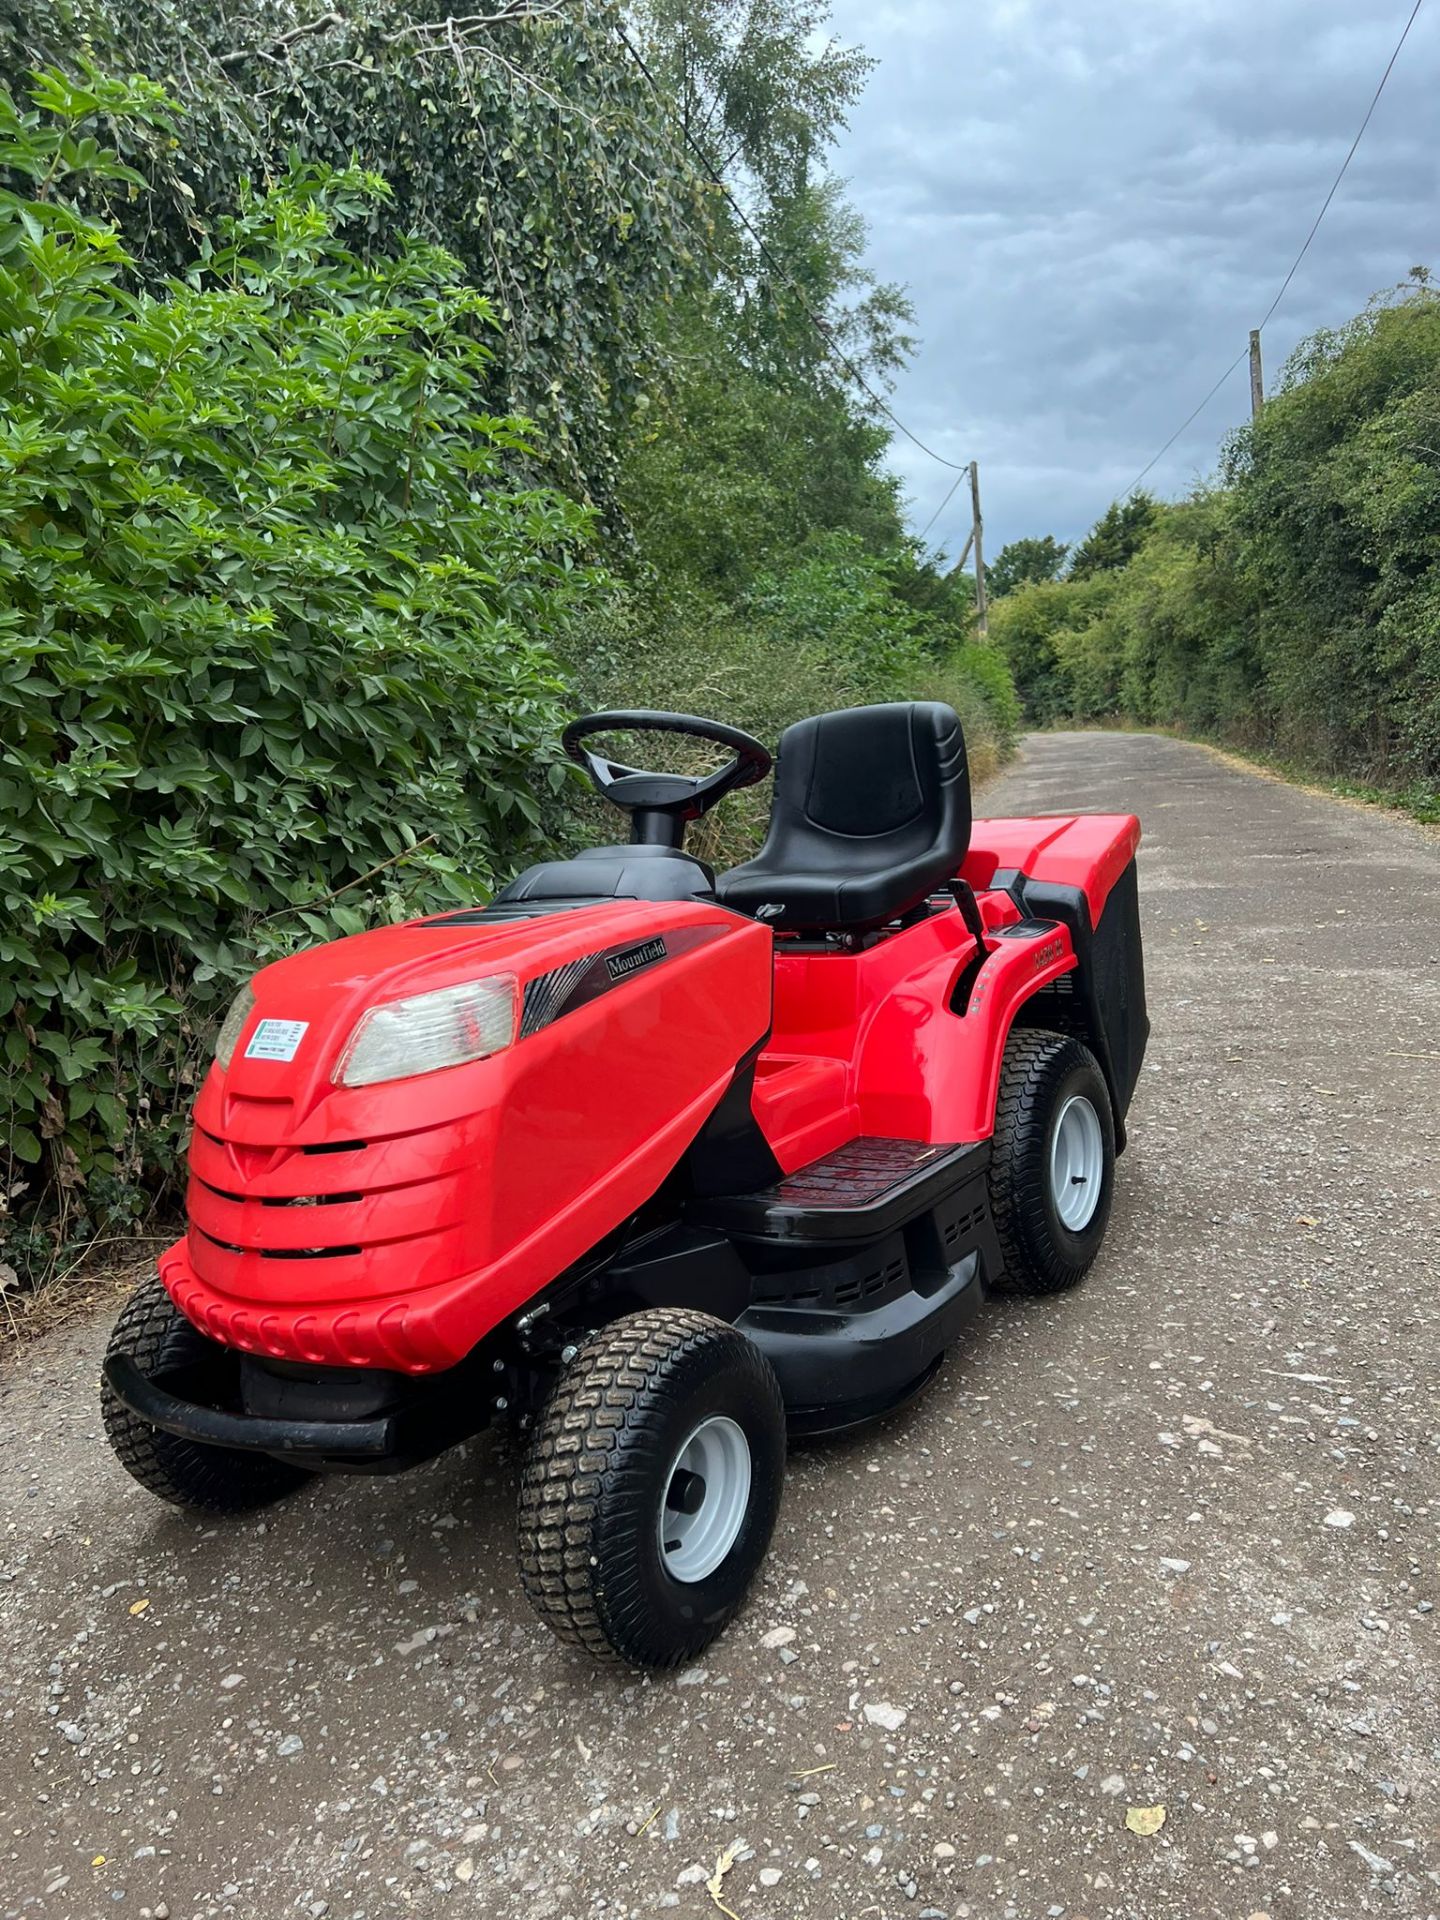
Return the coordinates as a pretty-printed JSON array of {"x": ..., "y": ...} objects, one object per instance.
[{"x": 1169, "y": 1541}]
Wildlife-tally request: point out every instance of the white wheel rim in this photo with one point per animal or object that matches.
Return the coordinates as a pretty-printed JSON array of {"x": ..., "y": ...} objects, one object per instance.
[
  {"x": 711, "y": 1478},
  {"x": 1077, "y": 1163}
]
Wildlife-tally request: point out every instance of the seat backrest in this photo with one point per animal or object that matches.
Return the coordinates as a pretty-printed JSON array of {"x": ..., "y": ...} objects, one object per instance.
[
  {"x": 892, "y": 773},
  {"x": 871, "y": 814}
]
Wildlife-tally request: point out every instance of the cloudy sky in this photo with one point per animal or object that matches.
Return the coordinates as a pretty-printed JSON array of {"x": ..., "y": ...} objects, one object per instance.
[{"x": 1092, "y": 201}]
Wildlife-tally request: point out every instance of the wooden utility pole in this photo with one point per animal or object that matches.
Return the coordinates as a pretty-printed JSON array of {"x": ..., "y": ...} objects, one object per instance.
[
  {"x": 977, "y": 526},
  {"x": 1257, "y": 377}
]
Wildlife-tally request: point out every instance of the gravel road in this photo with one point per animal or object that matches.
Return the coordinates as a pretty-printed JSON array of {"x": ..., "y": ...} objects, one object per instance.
[{"x": 1167, "y": 1542}]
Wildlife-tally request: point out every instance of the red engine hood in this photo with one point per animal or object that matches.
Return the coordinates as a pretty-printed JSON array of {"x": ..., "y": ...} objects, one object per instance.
[{"x": 394, "y": 1225}]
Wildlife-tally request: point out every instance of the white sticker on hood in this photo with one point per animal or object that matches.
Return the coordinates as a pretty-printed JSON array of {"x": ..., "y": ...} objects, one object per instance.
[{"x": 276, "y": 1039}]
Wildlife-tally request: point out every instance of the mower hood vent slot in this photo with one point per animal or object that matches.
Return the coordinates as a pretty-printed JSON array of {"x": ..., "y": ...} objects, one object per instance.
[
  {"x": 338, "y": 1146},
  {"x": 316, "y": 1200},
  {"x": 281, "y": 1253},
  {"x": 295, "y": 1200}
]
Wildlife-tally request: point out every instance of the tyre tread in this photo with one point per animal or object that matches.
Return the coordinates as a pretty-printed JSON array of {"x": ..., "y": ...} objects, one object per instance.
[{"x": 1036, "y": 1060}]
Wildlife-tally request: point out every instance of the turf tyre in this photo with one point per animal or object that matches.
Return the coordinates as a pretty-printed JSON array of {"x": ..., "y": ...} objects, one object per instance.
[
  {"x": 594, "y": 1482},
  {"x": 1041, "y": 1072},
  {"x": 157, "y": 1337}
]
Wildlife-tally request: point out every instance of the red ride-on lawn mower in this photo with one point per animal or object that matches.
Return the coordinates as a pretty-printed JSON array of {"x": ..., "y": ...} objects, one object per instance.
[{"x": 652, "y": 1164}]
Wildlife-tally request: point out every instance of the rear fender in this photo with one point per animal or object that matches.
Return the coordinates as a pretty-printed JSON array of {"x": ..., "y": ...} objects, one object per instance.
[{"x": 931, "y": 1072}]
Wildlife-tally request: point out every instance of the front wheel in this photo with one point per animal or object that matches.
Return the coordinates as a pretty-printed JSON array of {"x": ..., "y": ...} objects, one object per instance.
[
  {"x": 1052, "y": 1162},
  {"x": 651, "y": 1487}
]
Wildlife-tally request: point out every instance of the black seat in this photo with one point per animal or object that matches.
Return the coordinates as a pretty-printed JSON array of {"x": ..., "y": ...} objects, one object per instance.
[{"x": 871, "y": 814}]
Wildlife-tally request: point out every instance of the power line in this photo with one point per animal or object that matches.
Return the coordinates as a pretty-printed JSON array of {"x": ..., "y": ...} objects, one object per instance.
[
  {"x": 954, "y": 489},
  {"x": 1345, "y": 165},
  {"x": 1295, "y": 264},
  {"x": 1187, "y": 421},
  {"x": 778, "y": 267}
]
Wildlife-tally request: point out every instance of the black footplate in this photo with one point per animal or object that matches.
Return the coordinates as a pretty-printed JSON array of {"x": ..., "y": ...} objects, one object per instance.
[{"x": 869, "y": 1186}]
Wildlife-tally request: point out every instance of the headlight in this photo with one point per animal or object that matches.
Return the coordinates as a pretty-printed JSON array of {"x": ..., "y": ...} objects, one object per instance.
[
  {"x": 241, "y": 1008},
  {"x": 432, "y": 1030}
]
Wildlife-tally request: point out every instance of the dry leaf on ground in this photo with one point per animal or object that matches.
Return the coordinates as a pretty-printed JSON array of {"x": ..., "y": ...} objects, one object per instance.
[{"x": 1145, "y": 1820}]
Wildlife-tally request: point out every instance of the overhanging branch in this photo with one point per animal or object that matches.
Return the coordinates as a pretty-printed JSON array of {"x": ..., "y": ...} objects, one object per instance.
[{"x": 441, "y": 30}]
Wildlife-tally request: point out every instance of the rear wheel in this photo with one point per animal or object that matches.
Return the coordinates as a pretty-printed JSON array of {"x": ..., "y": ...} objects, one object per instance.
[
  {"x": 1052, "y": 1162},
  {"x": 651, "y": 1487},
  {"x": 153, "y": 1333}
]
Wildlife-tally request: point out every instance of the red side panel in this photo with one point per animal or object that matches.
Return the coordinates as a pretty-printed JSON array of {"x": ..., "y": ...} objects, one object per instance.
[
  {"x": 937, "y": 1079},
  {"x": 905, "y": 1064},
  {"x": 395, "y": 1225},
  {"x": 906, "y": 1060},
  {"x": 804, "y": 1106}
]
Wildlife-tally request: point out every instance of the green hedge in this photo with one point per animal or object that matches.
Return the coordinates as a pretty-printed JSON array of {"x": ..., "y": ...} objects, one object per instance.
[
  {"x": 1296, "y": 607},
  {"x": 273, "y": 634},
  {"x": 826, "y": 629}
]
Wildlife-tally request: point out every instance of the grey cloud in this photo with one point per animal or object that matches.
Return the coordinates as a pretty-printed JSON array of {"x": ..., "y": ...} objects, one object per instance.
[{"x": 1092, "y": 203}]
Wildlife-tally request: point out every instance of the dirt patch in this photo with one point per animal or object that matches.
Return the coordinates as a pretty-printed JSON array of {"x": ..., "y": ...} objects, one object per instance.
[{"x": 91, "y": 1288}]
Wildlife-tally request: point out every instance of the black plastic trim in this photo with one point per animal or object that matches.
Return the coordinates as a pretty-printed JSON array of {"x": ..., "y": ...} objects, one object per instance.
[
  {"x": 730, "y": 1152},
  {"x": 520, "y": 910},
  {"x": 1026, "y": 930},
  {"x": 680, "y": 1266},
  {"x": 251, "y": 1433},
  {"x": 551, "y": 995},
  {"x": 838, "y": 1370},
  {"x": 429, "y": 1414},
  {"x": 1008, "y": 880}
]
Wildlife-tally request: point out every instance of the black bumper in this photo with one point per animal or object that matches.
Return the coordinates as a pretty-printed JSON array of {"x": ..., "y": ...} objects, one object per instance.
[{"x": 383, "y": 1442}]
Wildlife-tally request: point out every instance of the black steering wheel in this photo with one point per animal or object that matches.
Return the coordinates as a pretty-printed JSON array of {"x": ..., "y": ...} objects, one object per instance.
[{"x": 662, "y": 803}]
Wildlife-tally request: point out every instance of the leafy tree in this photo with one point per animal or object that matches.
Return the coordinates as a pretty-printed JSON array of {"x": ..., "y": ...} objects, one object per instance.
[
  {"x": 523, "y": 138},
  {"x": 1115, "y": 538},
  {"x": 757, "y": 84},
  {"x": 946, "y": 595},
  {"x": 760, "y": 91},
  {"x": 1022, "y": 561},
  {"x": 1336, "y": 506},
  {"x": 734, "y": 470},
  {"x": 273, "y": 625},
  {"x": 1171, "y": 636},
  {"x": 1032, "y": 628}
]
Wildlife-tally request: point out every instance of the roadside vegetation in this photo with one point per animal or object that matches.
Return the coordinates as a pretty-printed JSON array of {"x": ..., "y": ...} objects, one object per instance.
[
  {"x": 373, "y": 393},
  {"x": 1290, "y": 609}
]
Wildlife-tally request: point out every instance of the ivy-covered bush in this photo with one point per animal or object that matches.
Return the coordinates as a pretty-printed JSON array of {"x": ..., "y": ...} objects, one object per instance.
[
  {"x": 273, "y": 633},
  {"x": 522, "y": 137}
]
